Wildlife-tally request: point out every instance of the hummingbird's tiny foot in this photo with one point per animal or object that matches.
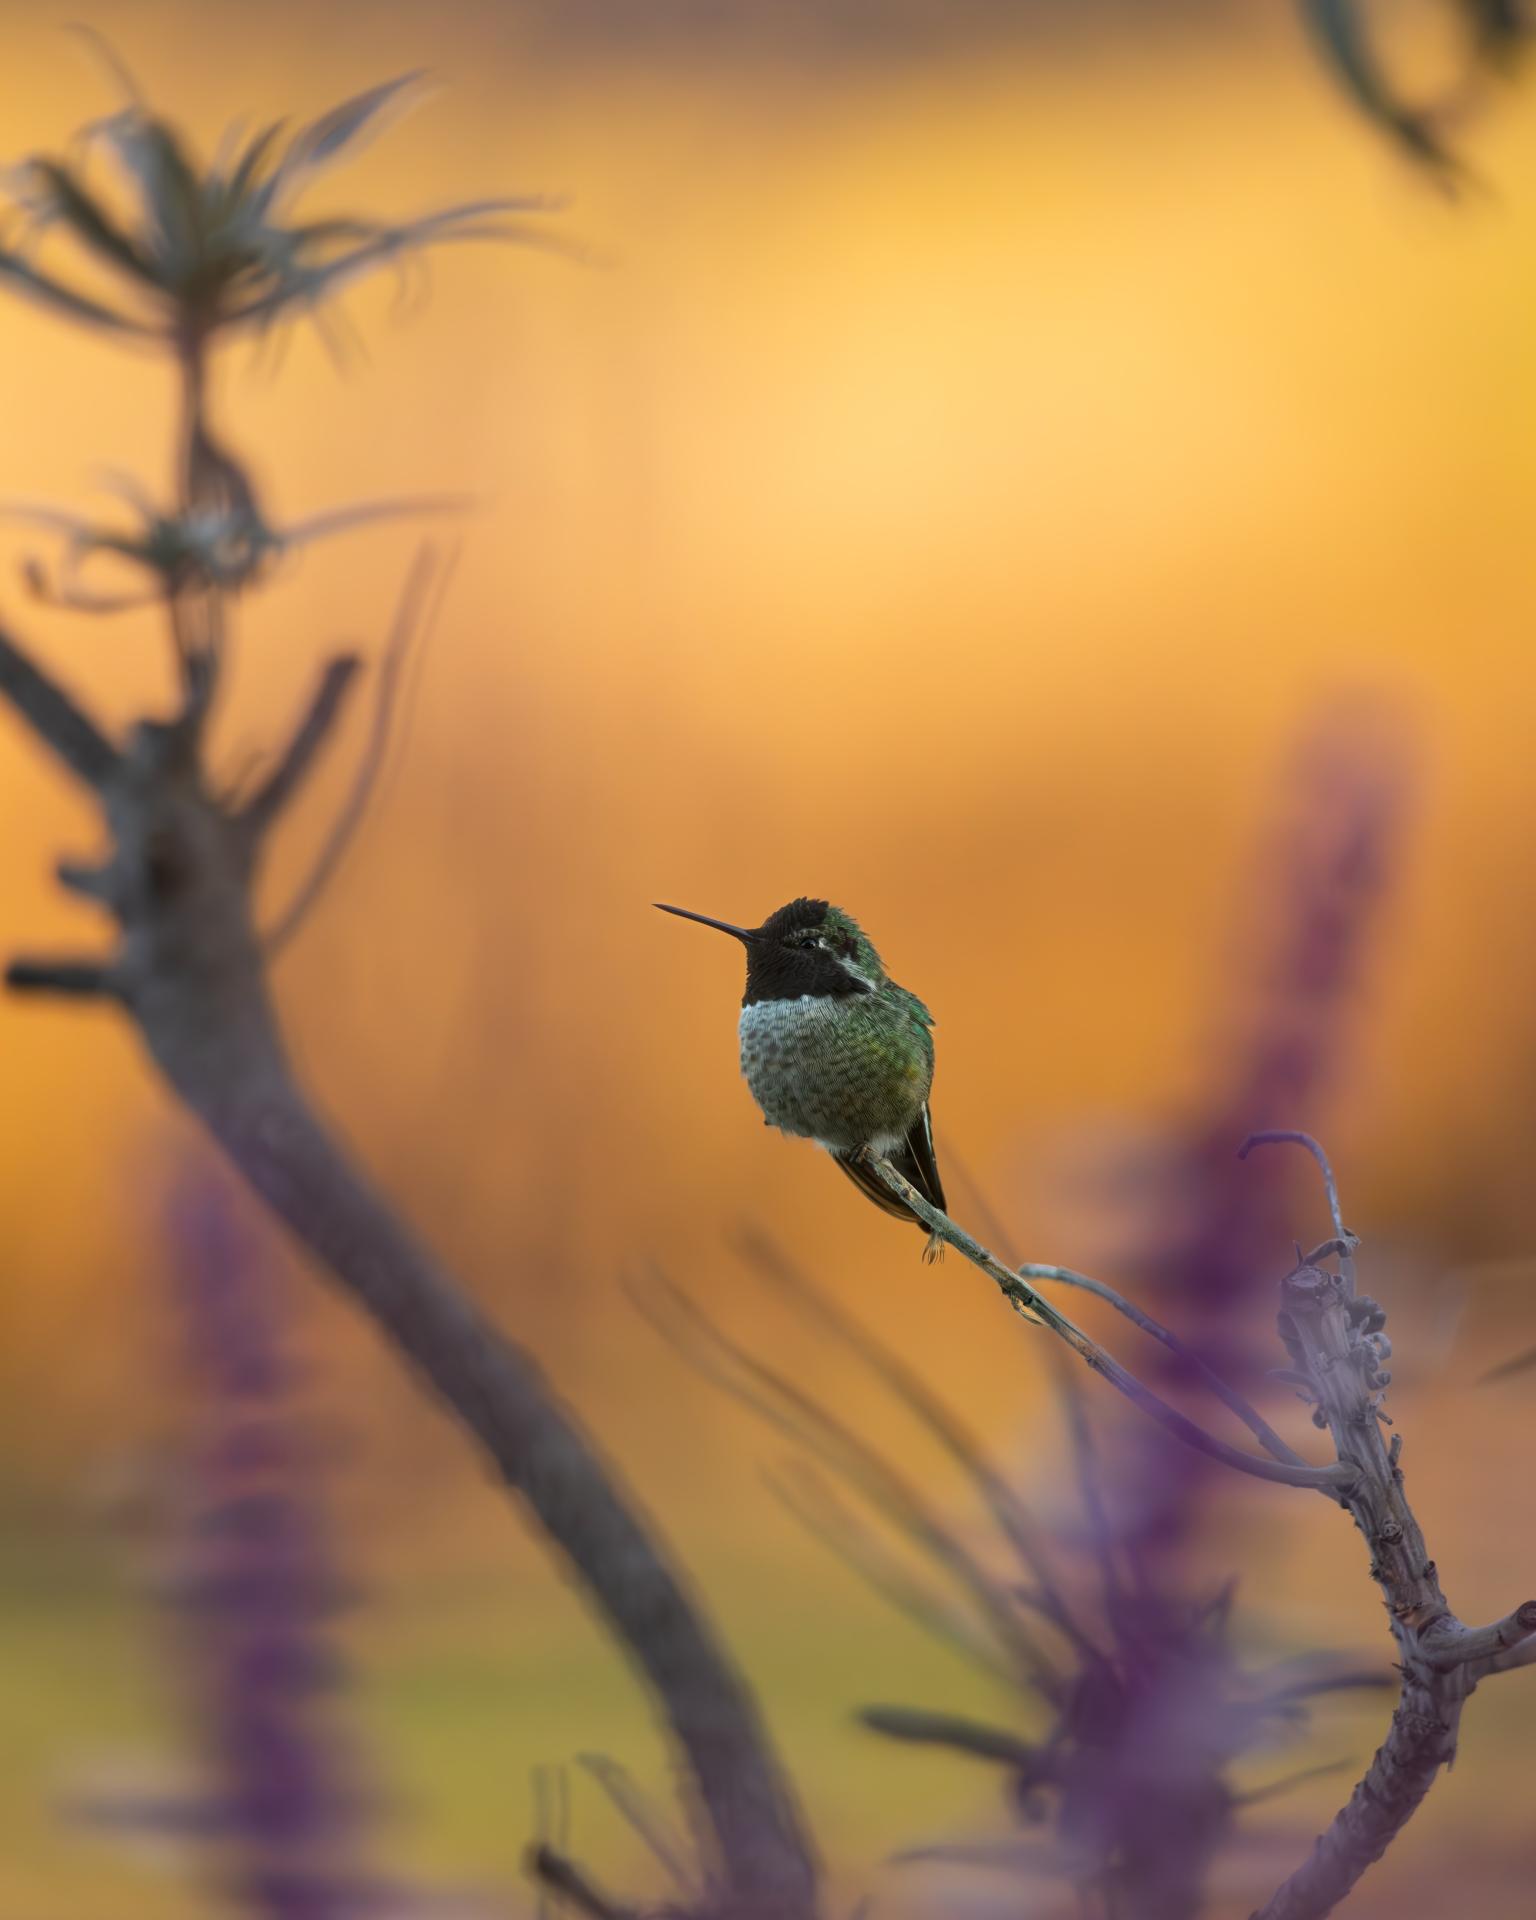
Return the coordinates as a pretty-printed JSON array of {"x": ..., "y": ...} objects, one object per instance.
[{"x": 934, "y": 1249}]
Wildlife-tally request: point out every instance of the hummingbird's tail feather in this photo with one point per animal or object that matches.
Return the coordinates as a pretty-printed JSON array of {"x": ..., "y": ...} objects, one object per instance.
[{"x": 914, "y": 1160}]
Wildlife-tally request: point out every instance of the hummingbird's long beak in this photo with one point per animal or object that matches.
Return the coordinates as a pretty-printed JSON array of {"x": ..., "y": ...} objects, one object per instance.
[{"x": 739, "y": 933}]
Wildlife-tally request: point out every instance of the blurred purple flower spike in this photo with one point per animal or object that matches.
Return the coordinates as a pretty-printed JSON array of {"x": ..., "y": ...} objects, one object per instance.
[
  {"x": 256, "y": 1587},
  {"x": 1308, "y": 915}
]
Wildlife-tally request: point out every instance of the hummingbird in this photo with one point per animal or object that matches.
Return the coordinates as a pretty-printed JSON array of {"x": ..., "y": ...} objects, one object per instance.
[{"x": 833, "y": 1050}]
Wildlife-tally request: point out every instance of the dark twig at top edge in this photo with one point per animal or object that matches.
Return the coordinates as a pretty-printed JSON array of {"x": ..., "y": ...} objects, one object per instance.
[{"x": 1033, "y": 1305}]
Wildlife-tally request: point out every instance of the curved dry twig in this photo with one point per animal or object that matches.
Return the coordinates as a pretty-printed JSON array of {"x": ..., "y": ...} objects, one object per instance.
[{"x": 1293, "y": 1136}]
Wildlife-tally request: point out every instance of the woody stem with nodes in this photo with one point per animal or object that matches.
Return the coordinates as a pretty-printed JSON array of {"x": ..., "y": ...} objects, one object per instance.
[
  {"x": 210, "y": 257},
  {"x": 189, "y": 970},
  {"x": 1336, "y": 1346}
]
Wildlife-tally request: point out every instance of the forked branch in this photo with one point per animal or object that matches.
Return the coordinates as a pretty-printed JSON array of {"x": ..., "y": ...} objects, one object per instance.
[
  {"x": 1336, "y": 1340},
  {"x": 1338, "y": 1351}
]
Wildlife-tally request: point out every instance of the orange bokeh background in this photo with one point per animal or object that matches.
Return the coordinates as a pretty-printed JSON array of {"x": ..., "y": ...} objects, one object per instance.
[{"x": 955, "y": 482}]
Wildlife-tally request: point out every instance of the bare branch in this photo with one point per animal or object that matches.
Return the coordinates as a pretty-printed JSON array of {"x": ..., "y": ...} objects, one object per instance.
[
  {"x": 1026, "y": 1300},
  {"x": 567, "y": 1882},
  {"x": 1287, "y": 1136},
  {"x": 98, "y": 883},
  {"x": 1440, "y": 1660},
  {"x": 311, "y": 734},
  {"x": 192, "y": 974},
  {"x": 746, "y": 1820},
  {"x": 1522, "y": 1654},
  {"x": 54, "y": 717},
  {"x": 195, "y": 987},
  {"x": 1451, "y": 1645},
  {"x": 1251, "y": 1418},
  {"x": 74, "y": 979},
  {"x": 922, "y": 1728}
]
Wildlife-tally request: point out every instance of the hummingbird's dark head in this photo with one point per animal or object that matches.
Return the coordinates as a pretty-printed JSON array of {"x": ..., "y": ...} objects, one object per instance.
[{"x": 807, "y": 947}]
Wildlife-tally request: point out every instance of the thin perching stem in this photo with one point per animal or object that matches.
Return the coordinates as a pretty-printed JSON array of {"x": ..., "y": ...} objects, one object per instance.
[
  {"x": 1250, "y": 1416},
  {"x": 1026, "y": 1300}
]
